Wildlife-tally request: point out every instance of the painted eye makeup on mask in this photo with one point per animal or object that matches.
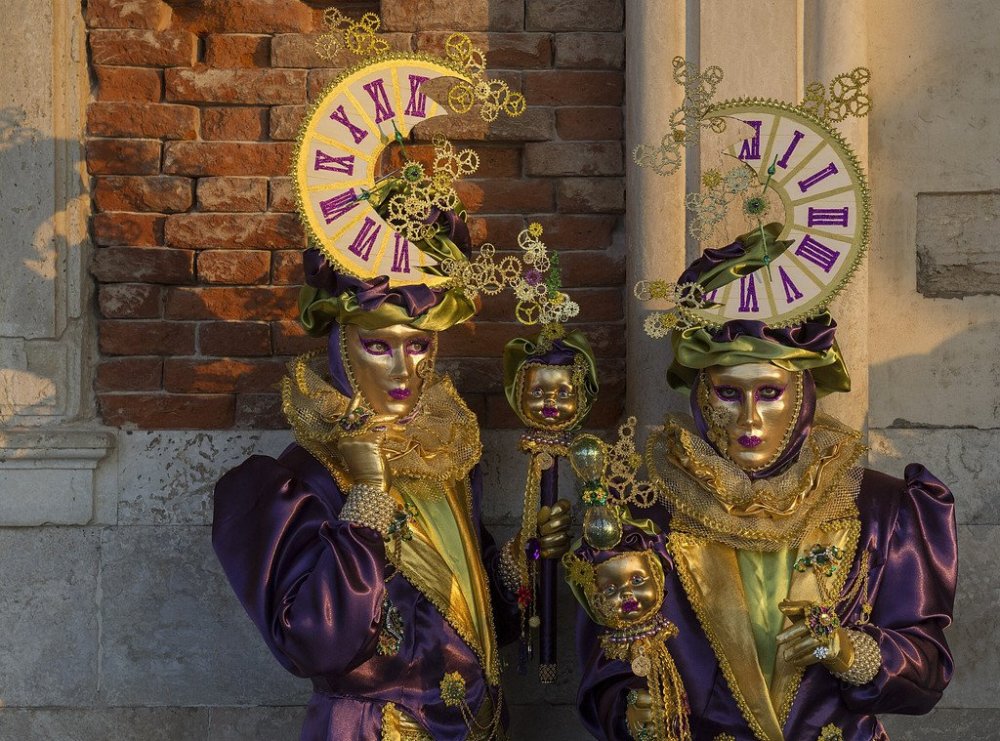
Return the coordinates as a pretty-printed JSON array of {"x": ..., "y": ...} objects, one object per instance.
[
  {"x": 418, "y": 347},
  {"x": 375, "y": 347},
  {"x": 769, "y": 393}
]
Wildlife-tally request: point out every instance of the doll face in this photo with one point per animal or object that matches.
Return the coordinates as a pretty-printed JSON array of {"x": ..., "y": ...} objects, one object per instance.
[
  {"x": 754, "y": 405},
  {"x": 549, "y": 398},
  {"x": 384, "y": 364},
  {"x": 628, "y": 588}
]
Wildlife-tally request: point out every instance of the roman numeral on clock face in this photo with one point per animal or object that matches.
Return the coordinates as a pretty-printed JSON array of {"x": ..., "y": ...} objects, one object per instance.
[
  {"x": 816, "y": 177},
  {"x": 417, "y": 105},
  {"x": 748, "y": 294},
  {"x": 334, "y": 208},
  {"x": 401, "y": 254},
  {"x": 324, "y": 161},
  {"x": 376, "y": 91},
  {"x": 828, "y": 216},
  {"x": 339, "y": 115},
  {"x": 817, "y": 253},
  {"x": 751, "y": 147},
  {"x": 792, "y": 292},
  {"x": 365, "y": 239}
]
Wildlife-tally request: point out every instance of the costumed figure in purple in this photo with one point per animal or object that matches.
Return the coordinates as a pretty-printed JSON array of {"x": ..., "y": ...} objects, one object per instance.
[{"x": 809, "y": 594}]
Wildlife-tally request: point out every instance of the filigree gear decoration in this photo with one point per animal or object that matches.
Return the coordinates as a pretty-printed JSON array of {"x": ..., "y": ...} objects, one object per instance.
[
  {"x": 484, "y": 275},
  {"x": 411, "y": 211},
  {"x": 494, "y": 96},
  {"x": 359, "y": 37},
  {"x": 687, "y": 120},
  {"x": 844, "y": 97},
  {"x": 539, "y": 295},
  {"x": 659, "y": 324}
]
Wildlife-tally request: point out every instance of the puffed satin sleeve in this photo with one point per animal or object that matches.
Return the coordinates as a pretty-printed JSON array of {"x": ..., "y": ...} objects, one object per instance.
[
  {"x": 312, "y": 584},
  {"x": 913, "y": 601},
  {"x": 605, "y": 684}
]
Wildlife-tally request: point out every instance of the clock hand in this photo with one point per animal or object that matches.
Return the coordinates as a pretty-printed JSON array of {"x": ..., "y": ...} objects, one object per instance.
[{"x": 770, "y": 174}]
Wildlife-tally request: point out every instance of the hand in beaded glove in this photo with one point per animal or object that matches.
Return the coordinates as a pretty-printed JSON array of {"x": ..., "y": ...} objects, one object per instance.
[
  {"x": 639, "y": 714},
  {"x": 803, "y": 645},
  {"x": 362, "y": 448},
  {"x": 553, "y": 529}
]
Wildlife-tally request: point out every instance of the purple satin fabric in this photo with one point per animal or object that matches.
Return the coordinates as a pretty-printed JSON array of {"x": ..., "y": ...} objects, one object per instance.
[
  {"x": 908, "y": 527},
  {"x": 795, "y": 441},
  {"x": 314, "y": 587},
  {"x": 816, "y": 334},
  {"x": 711, "y": 258}
]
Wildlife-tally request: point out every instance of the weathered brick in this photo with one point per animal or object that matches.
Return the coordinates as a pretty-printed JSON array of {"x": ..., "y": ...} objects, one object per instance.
[
  {"x": 131, "y": 84},
  {"x": 282, "y": 195},
  {"x": 234, "y": 267},
  {"x": 123, "y": 157},
  {"x": 234, "y": 231},
  {"x": 503, "y": 50},
  {"x": 574, "y": 87},
  {"x": 161, "y": 193},
  {"x": 591, "y": 195},
  {"x": 198, "y": 159},
  {"x": 599, "y": 304},
  {"x": 581, "y": 232},
  {"x": 140, "y": 48},
  {"x": 591, "y": 123},
  {"x": 129, "y": 374},
  {"x": 259, "y": 412},
  {"x": 536, "y": 124},
  {"x": 590, "y": 50},
  {"x": 575, "y": 15},
  {"x": 114, "y": 228},
  {"x": 477, "y": 339},
  {"x": 286, "y": 120},
  {"x": 501, "y": 231},
  {"x": 232, "y": 194},
  {"x": 299, "y": 50},
  {"x": 474, "y": 375},
  {"x": 150, "y": 14},
  {"x": 507, "y": 195},
  {"x": 128, "y": 337},
  {"x": 234, "y": 123},
  {"x": 168, "y": 411},
  {"x": 507, "y": 15},
  {"x": 286, "y": 268},
  {"x": 432, "y": 15},
  {"x": 319, "y": 80},
  {"x": 149, "y": 120},
  {"x": 234, "y": 339},
  {"x": 129, "y": 301},
  {"x": 592, "y": 269},
  {"x": 244, "y": 16},
  {"x": 498, "y": 161},
  {"x": 246, "y": 86},
  {"x": 230, "y": 50},
  {"x": 578, "y": 158},
  {"x": 248, "y": 303},
  {"x": 289, "y": 338},
  {"x": 147, "y": 264},
  {"x": 220, "y": 375}
]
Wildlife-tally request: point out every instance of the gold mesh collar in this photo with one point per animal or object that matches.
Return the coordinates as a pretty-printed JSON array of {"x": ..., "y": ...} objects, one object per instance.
[
  {"x": 711, "y": 497},
  {"x": 440, "y": 441}
]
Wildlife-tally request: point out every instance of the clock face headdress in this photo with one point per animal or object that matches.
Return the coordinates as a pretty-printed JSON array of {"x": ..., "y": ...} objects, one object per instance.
[
  {"x": 378, "y": 242},
  {"x": 797, "y": 188}
]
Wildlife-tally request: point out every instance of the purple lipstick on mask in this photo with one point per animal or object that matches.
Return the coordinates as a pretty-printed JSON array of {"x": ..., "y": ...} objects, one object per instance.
[{"x": 750, "y": 441}]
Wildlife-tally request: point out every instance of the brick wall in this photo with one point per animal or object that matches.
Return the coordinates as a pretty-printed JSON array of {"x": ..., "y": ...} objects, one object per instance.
[{"x": 197, "y": 247}]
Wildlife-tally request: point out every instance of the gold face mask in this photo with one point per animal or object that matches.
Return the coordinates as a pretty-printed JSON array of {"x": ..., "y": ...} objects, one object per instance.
[
  {"x": 550, "y": 396},
  {"x": 628, "y": 589},
  {"x": 388, "y": 365},
  {"x": 751, "y": 410}
]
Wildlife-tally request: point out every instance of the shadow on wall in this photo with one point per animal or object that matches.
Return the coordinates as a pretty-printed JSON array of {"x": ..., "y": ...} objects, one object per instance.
[{"x": 35, "y": 252}]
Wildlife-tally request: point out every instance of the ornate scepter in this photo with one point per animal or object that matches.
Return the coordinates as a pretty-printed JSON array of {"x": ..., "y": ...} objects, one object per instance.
[{"x": 550, "y": 380}]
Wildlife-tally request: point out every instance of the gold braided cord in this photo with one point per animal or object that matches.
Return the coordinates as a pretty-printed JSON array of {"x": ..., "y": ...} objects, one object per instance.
[
  {"x": 713, "y": 498},
  {"x": 440, "y": 442}
]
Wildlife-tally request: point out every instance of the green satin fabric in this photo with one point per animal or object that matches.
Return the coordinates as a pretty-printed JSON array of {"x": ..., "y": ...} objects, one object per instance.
[
  {"x": 440, "y": 524},
  {"x": 694, "y": 350},
  {"x": 318, "y": 310},
  {"x": 521, "y": 349},
  {"x": 760, "y": 250},
  {"x": 766, "y": 577}
]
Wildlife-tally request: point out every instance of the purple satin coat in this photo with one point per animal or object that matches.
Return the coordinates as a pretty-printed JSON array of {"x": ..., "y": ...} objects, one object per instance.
[
  {"x": 909, "y": 528},
  {"x": 314, "y": 587}
]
